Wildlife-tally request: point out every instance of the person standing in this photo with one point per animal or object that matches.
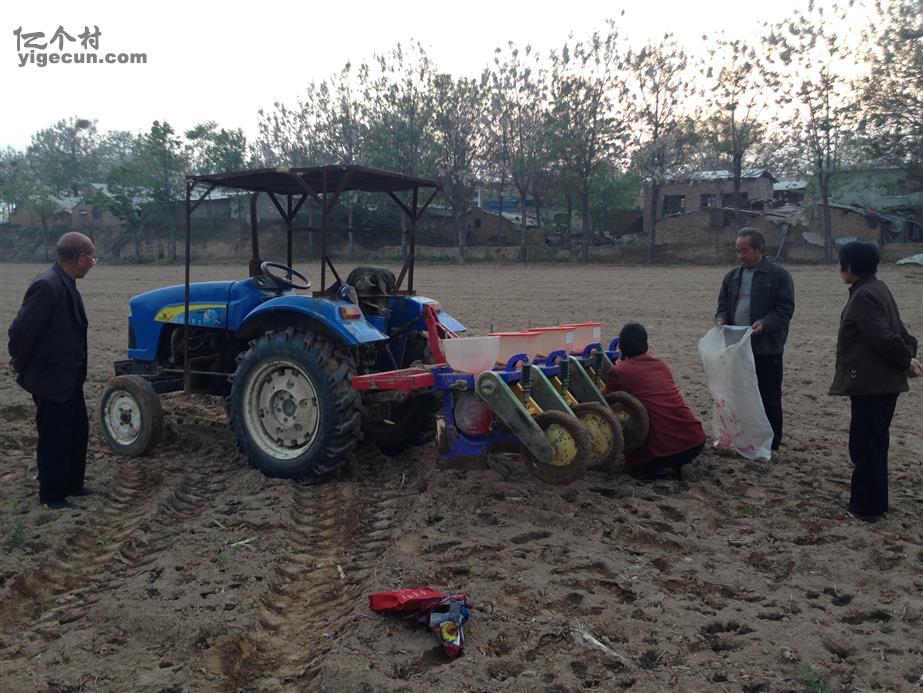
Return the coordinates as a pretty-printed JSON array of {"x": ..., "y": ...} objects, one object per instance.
[
  {"x": 760, "y": 294},
  {"x": 48, "y": 350},
  {"x": 874, "y": 356},
  {"x": 676, "y": 437}
]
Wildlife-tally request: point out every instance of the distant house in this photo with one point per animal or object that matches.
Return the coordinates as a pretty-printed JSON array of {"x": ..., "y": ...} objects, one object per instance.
[
  {"x": 492, "y": 204},
  {"x": 789, "y": 191},
  {"x": 74, "y": 212},
  {"x": 61, "y": 216},
  {"x": 438, "y": 225},
  {"x": 705, "y": 190}
]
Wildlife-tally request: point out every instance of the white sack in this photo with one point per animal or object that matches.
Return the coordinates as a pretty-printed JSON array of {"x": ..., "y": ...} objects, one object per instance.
[{"x": 739, "y": 420}]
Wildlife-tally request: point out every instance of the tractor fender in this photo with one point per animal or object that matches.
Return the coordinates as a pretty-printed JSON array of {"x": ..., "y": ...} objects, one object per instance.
[
  {"x": 321, "y": 311},
  {"x": 411, "y": 308}
]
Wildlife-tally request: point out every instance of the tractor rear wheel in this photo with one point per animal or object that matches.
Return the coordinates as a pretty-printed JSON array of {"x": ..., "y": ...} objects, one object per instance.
[
  {"x": 293, "y": 407},
  {"x": 571, "y": 444},
  {"x": 605, "y": 429},
  {"x": 633, "y": 417},
  {"x": 130, "y": 414}
]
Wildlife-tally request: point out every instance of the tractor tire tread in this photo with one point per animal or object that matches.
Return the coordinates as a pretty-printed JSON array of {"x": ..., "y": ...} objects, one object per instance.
[{"x": 344, "y": 429}]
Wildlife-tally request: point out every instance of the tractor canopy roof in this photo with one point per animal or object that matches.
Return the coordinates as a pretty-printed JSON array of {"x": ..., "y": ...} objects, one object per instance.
[
  {"x": 325, "y": 185},
  {"x": 315, "y": 179}
]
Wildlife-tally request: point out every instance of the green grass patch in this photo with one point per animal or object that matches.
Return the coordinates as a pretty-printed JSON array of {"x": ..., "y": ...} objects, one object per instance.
[
  {"x": 814, "y": 683},
  {"x": 16, "y": 533}
]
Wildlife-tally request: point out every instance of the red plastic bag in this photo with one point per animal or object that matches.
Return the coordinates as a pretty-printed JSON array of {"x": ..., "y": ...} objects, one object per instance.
[
  {"x": 404, "y": 600},
  {"x": 443, "y": 614}
]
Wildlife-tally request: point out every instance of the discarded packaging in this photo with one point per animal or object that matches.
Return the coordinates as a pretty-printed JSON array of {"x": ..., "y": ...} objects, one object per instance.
[{"x": 443, "y": 614}]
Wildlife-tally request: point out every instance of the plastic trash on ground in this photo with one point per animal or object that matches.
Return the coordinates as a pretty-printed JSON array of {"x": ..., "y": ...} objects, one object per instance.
[
  {"x": 739, "y": 420},
  {"x": 911, "y": 260},
  {"x": 443, "y": 614}
]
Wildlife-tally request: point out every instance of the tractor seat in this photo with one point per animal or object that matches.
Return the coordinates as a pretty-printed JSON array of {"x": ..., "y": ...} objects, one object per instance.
[{"x": 372, "y": 285}]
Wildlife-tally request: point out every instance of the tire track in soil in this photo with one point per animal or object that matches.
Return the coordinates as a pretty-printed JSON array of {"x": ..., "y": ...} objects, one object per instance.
[
  {"x": 337, "y": 525},
  {"x": 111, "y": 550},
  {"x": 17, "y": 440}
]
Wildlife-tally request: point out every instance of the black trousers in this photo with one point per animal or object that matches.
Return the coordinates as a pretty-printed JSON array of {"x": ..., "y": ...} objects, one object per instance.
[
  {"x": 769, "y": 377},
  {"x": 63, "y": 431},
  {"x": 869, "y": 436},
  {"x": 664, "y": 466}
]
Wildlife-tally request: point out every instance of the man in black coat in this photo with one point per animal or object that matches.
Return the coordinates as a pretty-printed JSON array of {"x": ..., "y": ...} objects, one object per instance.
[
  {"x": 760, "y": 294},
  {"x": 48, "y": 346},
  {"x": 875, "y": 354}
]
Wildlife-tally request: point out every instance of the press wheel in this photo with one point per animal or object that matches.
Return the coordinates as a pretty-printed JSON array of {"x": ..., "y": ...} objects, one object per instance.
[
  {"x": 633, "y": 417},
  {"x": 605, "y": 430},
  {"x": 572, "y": 450}
]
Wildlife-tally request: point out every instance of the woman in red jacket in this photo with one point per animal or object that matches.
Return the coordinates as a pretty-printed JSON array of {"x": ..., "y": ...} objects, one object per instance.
[{"x": 676, "y": 436}]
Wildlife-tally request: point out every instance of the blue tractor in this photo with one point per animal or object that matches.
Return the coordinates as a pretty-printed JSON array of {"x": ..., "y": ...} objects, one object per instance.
[{"x": 282, "y": 355}]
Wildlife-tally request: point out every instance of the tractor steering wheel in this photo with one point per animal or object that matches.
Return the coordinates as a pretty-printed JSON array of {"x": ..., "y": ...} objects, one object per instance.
[{"x": 286, "y": 281}]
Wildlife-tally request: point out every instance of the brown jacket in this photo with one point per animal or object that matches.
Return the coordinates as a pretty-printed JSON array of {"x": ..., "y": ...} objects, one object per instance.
[{"x": 873, "y": 348}]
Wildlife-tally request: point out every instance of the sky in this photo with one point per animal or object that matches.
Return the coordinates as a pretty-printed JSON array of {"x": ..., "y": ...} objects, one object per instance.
[{"x": 224, "y": 61}]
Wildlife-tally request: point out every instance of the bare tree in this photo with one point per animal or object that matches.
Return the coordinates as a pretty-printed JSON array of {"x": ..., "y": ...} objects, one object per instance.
[
  {"x": 399, "y": 97},
  {"x": 458, "y": 108},
  {"x": 343, "y": 126},
  {"x": 287, "y": 136},
  {"x": 816, "y": 93},
  {"x": 663, "y": 130},
  {"x": 738, "y": 88},
  {"x": 518, "y": 97},
  {"x": 587, "y": 94},
  {"x": 497, "y": 128},
  {"x": 891, "y": 94}
]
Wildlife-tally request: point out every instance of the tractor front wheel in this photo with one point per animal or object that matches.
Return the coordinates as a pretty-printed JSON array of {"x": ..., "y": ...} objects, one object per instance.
[
  {"x": 293, "y": 407},
  {"x": 130, "y": 414}
]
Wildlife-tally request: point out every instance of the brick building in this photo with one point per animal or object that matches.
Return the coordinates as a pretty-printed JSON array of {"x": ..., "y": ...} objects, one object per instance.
[
  {"x": 705, "y": 189},
  {"x": 72, "y": 212}
]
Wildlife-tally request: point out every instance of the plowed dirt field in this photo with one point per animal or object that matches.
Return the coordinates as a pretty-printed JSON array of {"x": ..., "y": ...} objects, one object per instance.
[{"x": 188, "y": 570}]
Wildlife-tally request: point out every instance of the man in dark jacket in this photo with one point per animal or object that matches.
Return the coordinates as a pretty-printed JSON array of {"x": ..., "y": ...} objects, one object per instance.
[
  {"x": 760, "y": 294},
  {"x": 874, "y": 356},
  {"x": 48, "y": 346}
]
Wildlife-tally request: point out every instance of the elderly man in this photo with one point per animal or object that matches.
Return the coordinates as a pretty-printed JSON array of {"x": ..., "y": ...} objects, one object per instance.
[
  {"x": 48, "y": 346},
  {"x": 760, "y": 294},
  {"x": 875, "y": 354}
]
